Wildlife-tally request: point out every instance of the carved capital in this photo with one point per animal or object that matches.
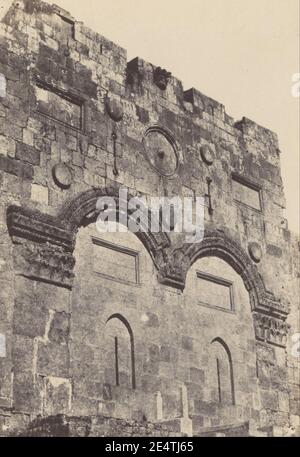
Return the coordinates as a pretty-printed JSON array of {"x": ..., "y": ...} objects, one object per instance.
[
  {"x": 42, "y": 246},
  {"x": 270, "y": 329},
  {"x": 171, "y": 276},
  {"x": 173, "y": 268},
  {"x": 45, "y": 262}
]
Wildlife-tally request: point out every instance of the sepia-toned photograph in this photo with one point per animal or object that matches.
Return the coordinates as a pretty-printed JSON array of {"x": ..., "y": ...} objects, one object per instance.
[{"x": 149, "y": 221}]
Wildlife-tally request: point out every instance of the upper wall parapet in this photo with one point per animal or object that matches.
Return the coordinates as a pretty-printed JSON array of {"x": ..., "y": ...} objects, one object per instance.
[{"x": 36, "y": 17}]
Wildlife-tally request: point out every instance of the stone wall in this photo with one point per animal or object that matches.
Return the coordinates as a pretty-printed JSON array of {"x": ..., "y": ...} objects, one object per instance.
[
  {"x": 77, "y": 121},
  {"x": 97, "y": 426},
  {"x": 101, "y": 426}
]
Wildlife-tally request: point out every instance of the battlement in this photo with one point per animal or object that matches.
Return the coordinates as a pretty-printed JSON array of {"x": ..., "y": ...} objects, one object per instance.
[{"x": 38, "y": 12}]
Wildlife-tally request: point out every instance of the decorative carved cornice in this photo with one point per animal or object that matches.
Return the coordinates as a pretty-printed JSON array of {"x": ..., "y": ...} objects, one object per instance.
[
  {"x": 270, "y": 329},
  {"x": 35, "y": 226},
  {"x": 42, "y": 246}
]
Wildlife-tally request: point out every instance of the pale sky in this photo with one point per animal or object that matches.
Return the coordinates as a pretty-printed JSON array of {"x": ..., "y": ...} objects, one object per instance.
[{"x": 241, "y": 53}]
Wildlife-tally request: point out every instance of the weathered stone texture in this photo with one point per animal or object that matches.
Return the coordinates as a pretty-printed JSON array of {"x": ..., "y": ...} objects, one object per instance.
[{"x": 76, "y": 123}]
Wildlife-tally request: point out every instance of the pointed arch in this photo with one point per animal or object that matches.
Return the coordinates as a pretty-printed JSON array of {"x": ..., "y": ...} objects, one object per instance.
[
  {"x": 126, "y": 324},
  {"x": 224, "y": 371}
]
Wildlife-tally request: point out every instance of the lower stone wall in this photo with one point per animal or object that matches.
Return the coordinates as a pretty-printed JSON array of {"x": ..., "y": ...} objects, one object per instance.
[
  {"x": 97, "y": 426},
  {"x": 11, "y": 424},
  {"x": 241, "y": 430},
  {"x": 22, "y": 425},
  {"x": 101, "y": 426}
]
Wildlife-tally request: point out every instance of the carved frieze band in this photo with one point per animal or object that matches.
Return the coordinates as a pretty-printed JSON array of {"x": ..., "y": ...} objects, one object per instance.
[
  {"x": 42, "y": 247},
  {"x": 45, "y": 262},
  {"x": 270, "y": 329}
]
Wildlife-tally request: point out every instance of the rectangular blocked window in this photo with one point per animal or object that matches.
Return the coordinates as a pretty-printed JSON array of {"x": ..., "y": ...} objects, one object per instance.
[
  {"x": 59, "y": 106},
  {"x": 246, "y": 193},
  {"x": 115, "y": 262},
  {"x": 2, "y": 86},
  {"x": 214, "y": 291}
]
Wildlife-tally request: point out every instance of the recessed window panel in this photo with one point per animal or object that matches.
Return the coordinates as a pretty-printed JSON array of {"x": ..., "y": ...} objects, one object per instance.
[
  {"x": 245, "y": 193},
  {"x": 214, "y": 291},
  {"x": 115, "y": 262},
  {"x": 59, "y": 106}
]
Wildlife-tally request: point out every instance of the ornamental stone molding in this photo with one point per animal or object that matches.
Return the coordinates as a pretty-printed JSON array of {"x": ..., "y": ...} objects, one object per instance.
[
  {"x": 83, "y": 210},
  {"x": 44, "y": 245},
  {"x": 25, "y": 223},
  {"x": 217, "y": 243},
  {"x": 270, "y": 330},
  {"x": 47, "y": 262}
]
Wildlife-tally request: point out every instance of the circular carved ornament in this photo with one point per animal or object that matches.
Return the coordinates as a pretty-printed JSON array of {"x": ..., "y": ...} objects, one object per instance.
[
  {"x": 207, "y": 154},
  {"x": 161, "y": 152},
  {"x": 62, "y": 175},
  {"x": 114, "y": 109},
  {"x": 255, "y": 252}
]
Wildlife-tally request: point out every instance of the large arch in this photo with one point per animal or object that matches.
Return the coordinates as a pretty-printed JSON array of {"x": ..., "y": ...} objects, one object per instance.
[
  {"x": 83, "y": 210},
  {"x": 51, "y": 241},
  {"x": 216, "y": 243}
]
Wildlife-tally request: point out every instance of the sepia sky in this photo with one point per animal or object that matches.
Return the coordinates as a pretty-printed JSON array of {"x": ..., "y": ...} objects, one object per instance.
[{"x": 241, "y": 53}]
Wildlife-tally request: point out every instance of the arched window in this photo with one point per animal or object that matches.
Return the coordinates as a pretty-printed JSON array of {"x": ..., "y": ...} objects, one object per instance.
[
  {"x": 223, "y": 369},
  {"x": 119, "y": 352}
]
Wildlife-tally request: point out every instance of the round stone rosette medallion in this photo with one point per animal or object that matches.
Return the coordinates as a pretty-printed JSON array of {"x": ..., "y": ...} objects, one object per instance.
[
  {"x": 62, "y": 175},
  {"x": 114, "y": 108},
  {"x": 255, "y": 252},
  {"x": 161, "y": 151},
  {"x": 207, "y": 154}
]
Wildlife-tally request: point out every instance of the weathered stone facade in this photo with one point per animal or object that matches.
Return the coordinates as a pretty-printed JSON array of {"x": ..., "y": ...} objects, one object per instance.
[{"x": 77, "y": 121}]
